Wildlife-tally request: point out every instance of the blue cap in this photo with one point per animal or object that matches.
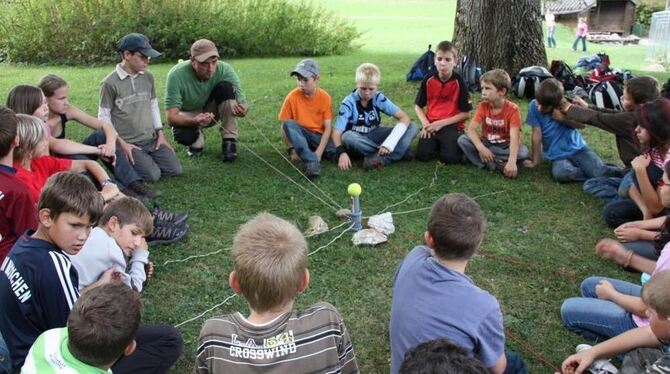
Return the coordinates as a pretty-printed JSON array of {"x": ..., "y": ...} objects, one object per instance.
[{"x": 135, "y": 42}]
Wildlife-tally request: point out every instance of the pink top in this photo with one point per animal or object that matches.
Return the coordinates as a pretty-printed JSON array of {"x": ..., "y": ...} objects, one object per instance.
[
  {"x": 663, "y": 263},
  {"x": 582, "y": 29},
  {"x": 659, "y": 158}
]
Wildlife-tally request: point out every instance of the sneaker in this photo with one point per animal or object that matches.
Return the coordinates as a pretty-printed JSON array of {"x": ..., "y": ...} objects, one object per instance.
[
  {"x": 167, "y": 234},
  {"x": 373, "y": 162},
  {"x": 194, "y": 152},
  {"x": 601, "y": 366},
  {"x": 312, "y": 170},
  {"x": 229, "y": 150},
  {"x": 142, "y": 189},
  {"x": 166, "y": 218}
]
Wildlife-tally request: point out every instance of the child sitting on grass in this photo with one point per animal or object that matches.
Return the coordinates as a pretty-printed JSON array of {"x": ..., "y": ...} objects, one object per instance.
[
  {"x": 571, "y": 159},
  {"x": 358, "y": 127},
  {"x": 656, "y": 297},
  {"x": 499, "y": 147},
  {"x": 270, "y": 269},
  {"x": 119, "y": 236}
]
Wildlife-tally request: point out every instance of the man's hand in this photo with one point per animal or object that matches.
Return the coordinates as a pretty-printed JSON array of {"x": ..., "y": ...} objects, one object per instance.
[
  {"x": 204, "y": 119},
  {"x": 344, "y": 162},
  {"x": 511, "y": 169},
  {"x": 161, "y": 140},
  {"x": 127, "y": 150},
  {"x": 239, "y": 109}
]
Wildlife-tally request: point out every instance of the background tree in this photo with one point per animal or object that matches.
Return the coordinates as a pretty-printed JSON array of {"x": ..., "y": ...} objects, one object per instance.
[{"x": 504, "y": 34}]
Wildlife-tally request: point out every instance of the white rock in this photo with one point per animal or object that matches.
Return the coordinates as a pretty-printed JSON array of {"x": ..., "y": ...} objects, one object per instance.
[
  {"x": 368, "y": 237},
  {"x": 316, "y": 225},
  {"x": 382, "y": 223}
]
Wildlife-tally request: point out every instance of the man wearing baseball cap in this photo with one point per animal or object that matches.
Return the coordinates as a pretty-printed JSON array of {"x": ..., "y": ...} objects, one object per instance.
[
  {"x": 128, "y": 101},
  {"x": 200, "y": 93},
  {"x": 306, "y": 117}
]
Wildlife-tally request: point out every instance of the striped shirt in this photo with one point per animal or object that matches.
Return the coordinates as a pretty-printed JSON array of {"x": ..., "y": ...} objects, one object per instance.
[
  {"x": 38, "y": 287},
  {"x": 311, "y": 341},
  {"x": 50, "y": 355}
]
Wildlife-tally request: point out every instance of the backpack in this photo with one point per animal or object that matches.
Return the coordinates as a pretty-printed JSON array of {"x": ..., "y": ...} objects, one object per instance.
[
  {"x": 562, "y": 71},
  {"x": 423, "y": 66},
  {"x": 528, "y": 81},
  {"x": 665, "y": 91},
  {"x": 604, "y": 59},
  {"x": 470, "y": 72},
  {"x": 589, "y": 62},
  {"x": 606, "y": 95}
]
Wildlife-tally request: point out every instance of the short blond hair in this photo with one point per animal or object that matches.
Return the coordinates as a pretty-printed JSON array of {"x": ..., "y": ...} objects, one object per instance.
[
  {"x": 31, "y": 131},
  {"x": 498, "y": 78},
  {"x": 270, "y": 258},
  {"x": 368, "y": 73},
  {"x": 656, "y": 293}
]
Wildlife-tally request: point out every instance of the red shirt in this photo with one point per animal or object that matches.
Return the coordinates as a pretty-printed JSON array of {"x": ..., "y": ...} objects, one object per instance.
[
  {"x": 17, "y": 209},
  {"x": 443, "y": 99},
  {"x": 495, "y": 127},
  {"x": 42, "y": 169}
]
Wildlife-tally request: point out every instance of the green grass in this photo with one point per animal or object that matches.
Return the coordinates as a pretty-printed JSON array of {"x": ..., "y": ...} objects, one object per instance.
[{"x": 539, "y": 241}]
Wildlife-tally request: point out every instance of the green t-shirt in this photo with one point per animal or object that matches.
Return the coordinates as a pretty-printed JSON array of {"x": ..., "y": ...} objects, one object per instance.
[
  {"x": 50, "y": 354},
  {"x": 186, "y": 92}
]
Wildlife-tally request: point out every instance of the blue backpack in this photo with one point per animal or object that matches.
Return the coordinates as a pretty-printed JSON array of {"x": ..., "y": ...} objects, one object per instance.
[{"x": 423, "y": 66}]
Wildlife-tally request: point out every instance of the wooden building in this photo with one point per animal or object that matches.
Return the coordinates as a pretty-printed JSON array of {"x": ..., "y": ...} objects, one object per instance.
[{"x": 612, "y": 16}]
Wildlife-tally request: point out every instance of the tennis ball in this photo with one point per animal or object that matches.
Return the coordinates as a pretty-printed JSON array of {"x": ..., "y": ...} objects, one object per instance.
[
  {"x": 354, "y": 189},
  {"x": 180, "y": 61}
]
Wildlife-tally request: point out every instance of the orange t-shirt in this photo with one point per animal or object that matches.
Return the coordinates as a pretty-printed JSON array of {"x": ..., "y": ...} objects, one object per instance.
[
  {"x": 495, "y": 127},
  {"x": 309, "y": 112}
]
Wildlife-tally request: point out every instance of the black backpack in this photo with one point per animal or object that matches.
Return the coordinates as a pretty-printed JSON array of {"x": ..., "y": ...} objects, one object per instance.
[
  {"x": 665, "y": 92},
  {"x": 423, "y": 66},
  {"x": 562, "y": 71},
  {"x": 528, "y": 81},
  {"x": 470, "y": 72},
  {"x": 606, "y": 95}
]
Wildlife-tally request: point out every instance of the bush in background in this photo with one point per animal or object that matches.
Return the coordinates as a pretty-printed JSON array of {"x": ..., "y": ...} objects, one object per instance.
[{"x": 86, "y": 31}]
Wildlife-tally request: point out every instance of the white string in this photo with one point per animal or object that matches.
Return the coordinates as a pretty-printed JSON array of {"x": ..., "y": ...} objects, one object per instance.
[
  {"x": 289, "y": 178},
  {"x": 331, "y": 229},
  {"x": 295, "y": 167},
  {"x": 429, "y": 207},
  {"x": 431, "y": 184},
  {"x": 195, "y": 256},
  {"x": 206, "y": 311},
  {"x": 332, "y": 241}
]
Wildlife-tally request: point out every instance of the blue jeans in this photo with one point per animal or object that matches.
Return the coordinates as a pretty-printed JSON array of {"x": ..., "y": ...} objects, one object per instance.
[
  {"x": 551, "y": 40},
  {"x": 500, "y": 152},
  {"x": 305, "y": 142},
  {"x": 582, "y": 165},
  {"x": 574, "y": 45},
  {"x": 515, "y": 364},
  {"x": 644, "y": 248},
  {"x": 5, "y": 362},
  {"x": 368, "y": 144},
  {"x": 609, "y": 188},
  {"x": 598, "y": 319},
  {"x": 122, "y": 169}
]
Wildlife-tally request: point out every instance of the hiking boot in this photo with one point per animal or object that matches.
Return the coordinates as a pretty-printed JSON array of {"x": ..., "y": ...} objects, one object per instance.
[
  {"x": 312, "y": 170},
  {"x": 165, "y": 218},
  {"x": 142, "y": 189},
  {"x": 601, "y": 366},
  {"x": 167, "y": 234},
  {"x": 194, "y": 152},
  {"x": 373, "y": 162},
  {"x": 229, "y": 150}
]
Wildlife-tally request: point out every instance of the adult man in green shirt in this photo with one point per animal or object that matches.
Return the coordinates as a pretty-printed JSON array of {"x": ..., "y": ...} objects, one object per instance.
[{"x": 200, "y": 93}]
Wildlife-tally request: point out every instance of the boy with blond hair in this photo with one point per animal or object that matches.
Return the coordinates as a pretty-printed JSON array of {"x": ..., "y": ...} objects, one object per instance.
[
  {"x": 358, "y": 127},
  {"x": 119, "y": 236},
  {"x": 306, "y": 117},
  {"x": 442, "y": 105},
  {"x": 656, "y": 295},
  {"x": 433, "y": 298},
  {"x": 500, "y": 123},
  {"x": 270, "y": 269}
]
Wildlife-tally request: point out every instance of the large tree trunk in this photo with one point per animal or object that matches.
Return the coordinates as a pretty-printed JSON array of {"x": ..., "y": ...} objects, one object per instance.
[{"x": 504, "y": 34}]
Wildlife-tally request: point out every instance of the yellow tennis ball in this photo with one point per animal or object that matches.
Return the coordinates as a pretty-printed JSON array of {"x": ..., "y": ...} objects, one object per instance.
[
  {"x": 354, "y": 189},
  {"x": 180, "y": 61}
]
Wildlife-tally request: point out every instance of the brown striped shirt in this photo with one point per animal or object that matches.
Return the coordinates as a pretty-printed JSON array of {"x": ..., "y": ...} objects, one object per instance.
[{"x": 311, "y": 341}]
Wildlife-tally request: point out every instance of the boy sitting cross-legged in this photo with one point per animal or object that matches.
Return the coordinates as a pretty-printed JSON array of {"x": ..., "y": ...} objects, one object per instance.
[
  {"x": 571, "y": 159},
  {"x": 433, "y": 298},
  {"x": 100, "y": 329},
  {"x": 358, "y": 127},
  {"x": 270, "y": 269},
  {"x": 500, "y": 121},
  {"x": 119, "y": 236}
]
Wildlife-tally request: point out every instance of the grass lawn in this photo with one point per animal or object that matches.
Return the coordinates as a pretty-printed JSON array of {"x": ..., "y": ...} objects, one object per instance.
[{"x": 540, "y": 236}]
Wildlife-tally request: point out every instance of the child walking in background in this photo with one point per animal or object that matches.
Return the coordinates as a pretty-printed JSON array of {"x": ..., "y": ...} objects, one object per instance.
[{"x": 582, "y": 31}]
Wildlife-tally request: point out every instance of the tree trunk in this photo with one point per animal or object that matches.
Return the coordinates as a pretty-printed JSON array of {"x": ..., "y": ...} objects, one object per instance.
[{"x": 504, "y": 34}]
